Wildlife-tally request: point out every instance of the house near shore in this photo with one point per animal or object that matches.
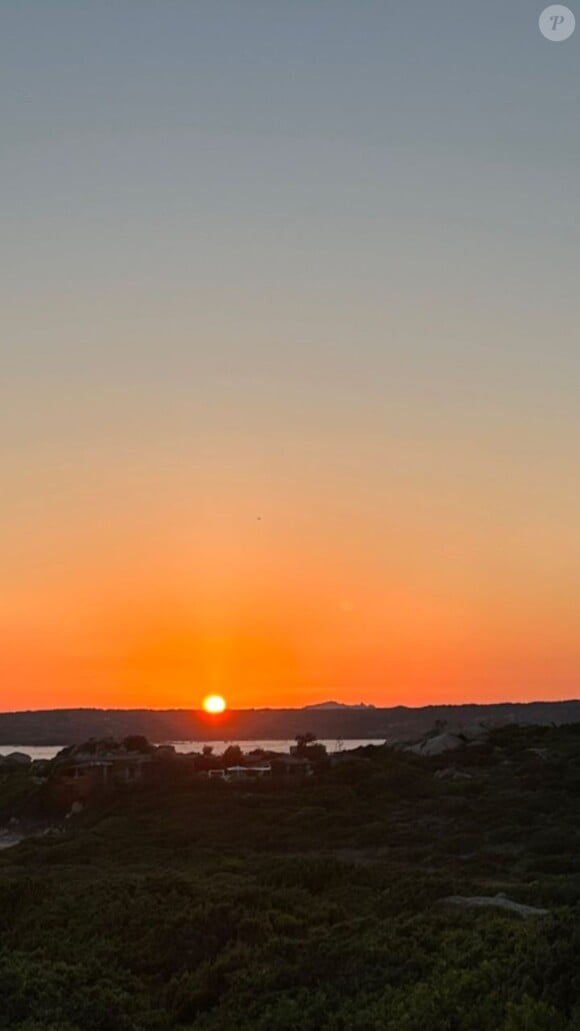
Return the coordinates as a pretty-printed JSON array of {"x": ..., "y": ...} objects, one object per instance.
[
  {"x": 277, "y": 765},
  {"x": 81, "y": 777},
  {"x": 236, "y": 773},
  {"x": 100, "y": 767}
]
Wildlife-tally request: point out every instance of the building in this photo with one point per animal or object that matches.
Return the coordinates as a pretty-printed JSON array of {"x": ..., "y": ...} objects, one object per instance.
[
  {"x": 237, "y": 774},
  {"x": 93, "y": 775}
]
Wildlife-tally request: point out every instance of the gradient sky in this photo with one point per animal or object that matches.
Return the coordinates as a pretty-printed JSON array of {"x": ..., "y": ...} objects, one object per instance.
[{"x": 289, "y": 386}]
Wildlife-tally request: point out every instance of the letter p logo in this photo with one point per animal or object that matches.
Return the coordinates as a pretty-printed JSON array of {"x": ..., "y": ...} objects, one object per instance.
[{"x": 557, "y": 23}]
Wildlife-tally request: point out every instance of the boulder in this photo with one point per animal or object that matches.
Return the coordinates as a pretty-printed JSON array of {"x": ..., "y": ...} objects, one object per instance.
[
  {"x": 18, "y": 759},
  {"x": 436, "y": 745},
  {"x": 475, "y": 732},
  {"x": 75, "y": 810},
  {"x": 450, "y": 773}
]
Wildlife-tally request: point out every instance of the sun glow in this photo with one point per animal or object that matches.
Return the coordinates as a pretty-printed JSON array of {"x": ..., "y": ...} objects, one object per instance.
[{"x": 214, "y": 703}]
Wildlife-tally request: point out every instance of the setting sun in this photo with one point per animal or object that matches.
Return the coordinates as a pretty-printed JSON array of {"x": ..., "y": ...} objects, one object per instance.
[{"x": 214, "y": 703}]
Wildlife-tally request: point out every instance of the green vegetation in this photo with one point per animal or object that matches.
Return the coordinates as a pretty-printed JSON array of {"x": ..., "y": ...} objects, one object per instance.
[{"x": 316, "y": 905}]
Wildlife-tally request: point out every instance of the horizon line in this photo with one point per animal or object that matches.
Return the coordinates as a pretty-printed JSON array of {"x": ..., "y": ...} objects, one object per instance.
[{"x": 289, "y": 708}]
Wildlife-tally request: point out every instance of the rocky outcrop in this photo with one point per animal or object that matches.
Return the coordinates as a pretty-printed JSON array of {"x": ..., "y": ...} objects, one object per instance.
[
  {"x": 436, "y": 745},
  {"x": 499, "y": 901},
  {"x": 438, "y": 742}
]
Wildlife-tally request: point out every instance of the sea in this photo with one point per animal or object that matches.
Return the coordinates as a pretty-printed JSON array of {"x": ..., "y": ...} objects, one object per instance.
[{"x": 340, "y": 745}]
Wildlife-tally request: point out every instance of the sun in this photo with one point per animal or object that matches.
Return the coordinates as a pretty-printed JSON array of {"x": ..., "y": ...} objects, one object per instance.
[{"x": 214, "y": 703}]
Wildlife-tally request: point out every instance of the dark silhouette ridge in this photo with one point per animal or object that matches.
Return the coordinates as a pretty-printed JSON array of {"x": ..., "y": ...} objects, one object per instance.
[{"x": 67, "y": 726}]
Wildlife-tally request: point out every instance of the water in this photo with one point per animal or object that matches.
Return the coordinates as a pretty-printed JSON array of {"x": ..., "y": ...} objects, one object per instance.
[{"x": 49, "y": 751}]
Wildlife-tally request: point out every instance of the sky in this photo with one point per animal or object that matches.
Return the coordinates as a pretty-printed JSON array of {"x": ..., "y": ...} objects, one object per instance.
[{"x": 289, "y": 361}]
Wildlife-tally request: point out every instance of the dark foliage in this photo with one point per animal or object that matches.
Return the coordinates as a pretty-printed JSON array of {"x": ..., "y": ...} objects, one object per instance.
[{"x": 315, "y": 906}]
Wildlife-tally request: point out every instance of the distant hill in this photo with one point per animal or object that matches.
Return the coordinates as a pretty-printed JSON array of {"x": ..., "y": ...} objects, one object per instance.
[
  {"x": 329, "y": 720},
  {"x": 336, "y": 705}
]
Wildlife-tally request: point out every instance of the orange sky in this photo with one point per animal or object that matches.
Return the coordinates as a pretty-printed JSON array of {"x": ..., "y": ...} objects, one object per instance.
[
  {"x": 289, "y": 357},
  {"x": 279, "y": 606}
]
